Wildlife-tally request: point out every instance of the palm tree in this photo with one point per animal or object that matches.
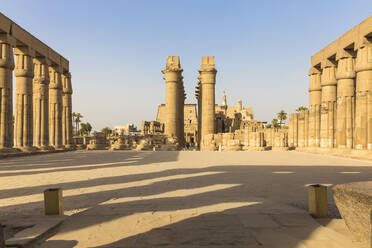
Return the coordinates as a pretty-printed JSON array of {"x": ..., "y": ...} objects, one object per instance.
[
  {"x": 107, "y": 131},
  {"x": 86, "y": 128},
  {"x": 275, "y": 123},
  {"x": 282, "y": 116},
  {"x": 299, "y": 109},
  {"x": 78, "y": 117}
]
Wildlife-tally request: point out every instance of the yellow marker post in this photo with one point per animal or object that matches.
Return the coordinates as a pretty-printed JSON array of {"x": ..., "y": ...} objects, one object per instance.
[
  {"x": 318, "y": 201},
  {"x": 53, "y": 201}
]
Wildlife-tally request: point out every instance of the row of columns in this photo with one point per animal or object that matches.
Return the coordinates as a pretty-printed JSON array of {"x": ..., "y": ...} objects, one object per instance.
[
  {"x": 340, "y": 102},
  {"x": 174, "y": 99},
  {"x": 43, "y": 106}
]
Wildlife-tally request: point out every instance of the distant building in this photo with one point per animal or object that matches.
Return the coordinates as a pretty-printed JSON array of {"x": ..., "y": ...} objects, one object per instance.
[{"x": 126, "y": 129}]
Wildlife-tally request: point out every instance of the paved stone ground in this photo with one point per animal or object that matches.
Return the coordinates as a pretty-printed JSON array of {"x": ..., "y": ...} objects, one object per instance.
[{"x": 180, "y": 199}]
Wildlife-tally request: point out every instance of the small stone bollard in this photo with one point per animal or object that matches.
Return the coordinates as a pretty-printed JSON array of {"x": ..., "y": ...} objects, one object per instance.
[
  {"x": 53, "y": 201},
  {"x": 318, "y": 201},
  {"x": 2, "y": 237}
]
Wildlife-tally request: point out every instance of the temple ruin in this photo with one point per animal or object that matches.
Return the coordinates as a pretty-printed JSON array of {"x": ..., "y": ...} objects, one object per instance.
[
  {"x": 340, "y": 96},
  {"x": 42, "y": 114}
]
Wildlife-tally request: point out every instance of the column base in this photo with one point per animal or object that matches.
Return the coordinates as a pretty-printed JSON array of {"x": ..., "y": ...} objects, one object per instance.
[
  {"x": 8, "y": 150},
  {"x": 27, "y": 148},
  {"x": 58, "y": 147},
  {"x": 45, "y": 148}
]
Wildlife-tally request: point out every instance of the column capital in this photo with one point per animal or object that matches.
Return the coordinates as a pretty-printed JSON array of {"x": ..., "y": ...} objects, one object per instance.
[
  {"x": 24, "y": 65},
  {"x": 328, "y": 77},
  {"x": 364, "y": 55},
  {"x": 342, "y": 53},
  {"x": 66, "y": 83},
  {"x": 24, "y": 50},
  {"x": 208, "y": 65},
  {"x": 362, "y": 42},
  {"x": 55, "y": 77},
  {"x": 8, "y": 39},
  {"x": 345, "y": 67},
  {"x": 313, "y": 70},
  {"x": 41, "y": 70}
]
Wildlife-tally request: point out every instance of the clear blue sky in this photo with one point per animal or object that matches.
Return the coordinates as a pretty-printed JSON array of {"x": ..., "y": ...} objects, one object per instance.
[{"x": 117, "y": 49}]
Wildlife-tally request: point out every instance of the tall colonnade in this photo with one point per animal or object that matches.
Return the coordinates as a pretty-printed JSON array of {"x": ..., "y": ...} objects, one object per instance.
[
  {"x": 340, "y": 95},
  {"x": 43, "y": 106}
]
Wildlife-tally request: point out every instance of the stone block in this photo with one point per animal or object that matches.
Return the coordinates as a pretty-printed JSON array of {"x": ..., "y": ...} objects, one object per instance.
[
  {"x": 354, "y": 201},
  {"x": 53, "y": 201}
]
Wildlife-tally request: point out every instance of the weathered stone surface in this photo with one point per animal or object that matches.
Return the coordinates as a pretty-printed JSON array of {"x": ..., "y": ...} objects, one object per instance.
[{"x": 354, "y": 201}]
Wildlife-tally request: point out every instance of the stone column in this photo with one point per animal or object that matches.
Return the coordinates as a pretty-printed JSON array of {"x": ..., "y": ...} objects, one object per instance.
[
  {"x": 293, "y": 130},
  {"x": 301, "y": 129},
  {"x": 363, "y": 108},
  {"x": 181, "y": 106},
  {"x": 23, "y": 130},
  {"x": 55, "y": 107},
  {"x": 6, "y": 92},
  {"x": 172, "y": 75},
  {"x": 198, "y": 97},
  {"x": 208, "y": 81},
  {"x": 328, "y": 110},
  {"x": 345, "y": 76},
  {"x": 315, "y": 100},
  {"x": 41, "y": 103},
  {"x": 67, "y": 110}
]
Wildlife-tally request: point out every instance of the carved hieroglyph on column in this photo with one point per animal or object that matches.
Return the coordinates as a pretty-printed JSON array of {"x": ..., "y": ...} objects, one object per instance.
[
  {"x": 67, "y": 110},
  {"x": 363, "y": 108},
  {"x": 23, "y": 130},
  {"x": 55, "y": 108},
  {"x": 41, "y": 102},
  {"x": 208, "y": 80},
  {"x": 172, "y": 76},
  {"x": 328, "y": 110},
  {"x": 315, "y": 101},
  {"x": 345, "y": 75},
  {"x": 6, "y": 94}
]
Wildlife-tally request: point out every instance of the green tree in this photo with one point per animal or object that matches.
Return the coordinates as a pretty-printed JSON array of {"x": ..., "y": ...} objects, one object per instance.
[
  {"x": 275, "y": 123},
  {"x": 268, "y": 125},
  {"x": 299, "y": 109},
  {"x": 107, "y": 131},
  {"x": 77, "y": 119},
  {"x": 86, "y": 128},
  {"x": 282, "y": 116}
]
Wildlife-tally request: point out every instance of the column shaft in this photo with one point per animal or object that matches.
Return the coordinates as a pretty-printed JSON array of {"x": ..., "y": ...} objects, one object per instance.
[
  {"x": 23, "y": 135},
  {"x": 328, "y": 109},
  {"x": 208, "y": 81},
  {"x": 363, "y": 108},
  {"x": 41, "y": 103},
  {"x": 315, "y": 95},
  {"x": 6, "y": 92},
  {"x": 55, "y": 108},
  {"x": 67, "y": 110},
  {"x": 172, "y": 77},
  {"x": 345, "y": 100}
]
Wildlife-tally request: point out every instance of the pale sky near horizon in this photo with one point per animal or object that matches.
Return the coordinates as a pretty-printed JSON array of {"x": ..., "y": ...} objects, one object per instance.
[{"x": 117, "y": 49}]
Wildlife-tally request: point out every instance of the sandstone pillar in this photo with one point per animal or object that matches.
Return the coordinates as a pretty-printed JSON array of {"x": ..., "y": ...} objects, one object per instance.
[
  {"x": 6, "y": 92},
  {"x": 55, "y": 108},
  {"x": 293, "y": 130},
  {"x": 198, "y": 97},
  {"x": 23, "y": 130},
  {"x": 172, "y": 75},
  {"x": 345, "y": 76},
  {"x": 301, "y": 129},
  {"x": 67, "y": 110},
  {"x": 328, "y": 109},
  {"x": 181, "y": 106},
  {"x": 208, "y": 80},
  {"x": 41, "y": 103},
  {"x": 315, "y": 100},
  {"x": 363, "y": 108}
]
